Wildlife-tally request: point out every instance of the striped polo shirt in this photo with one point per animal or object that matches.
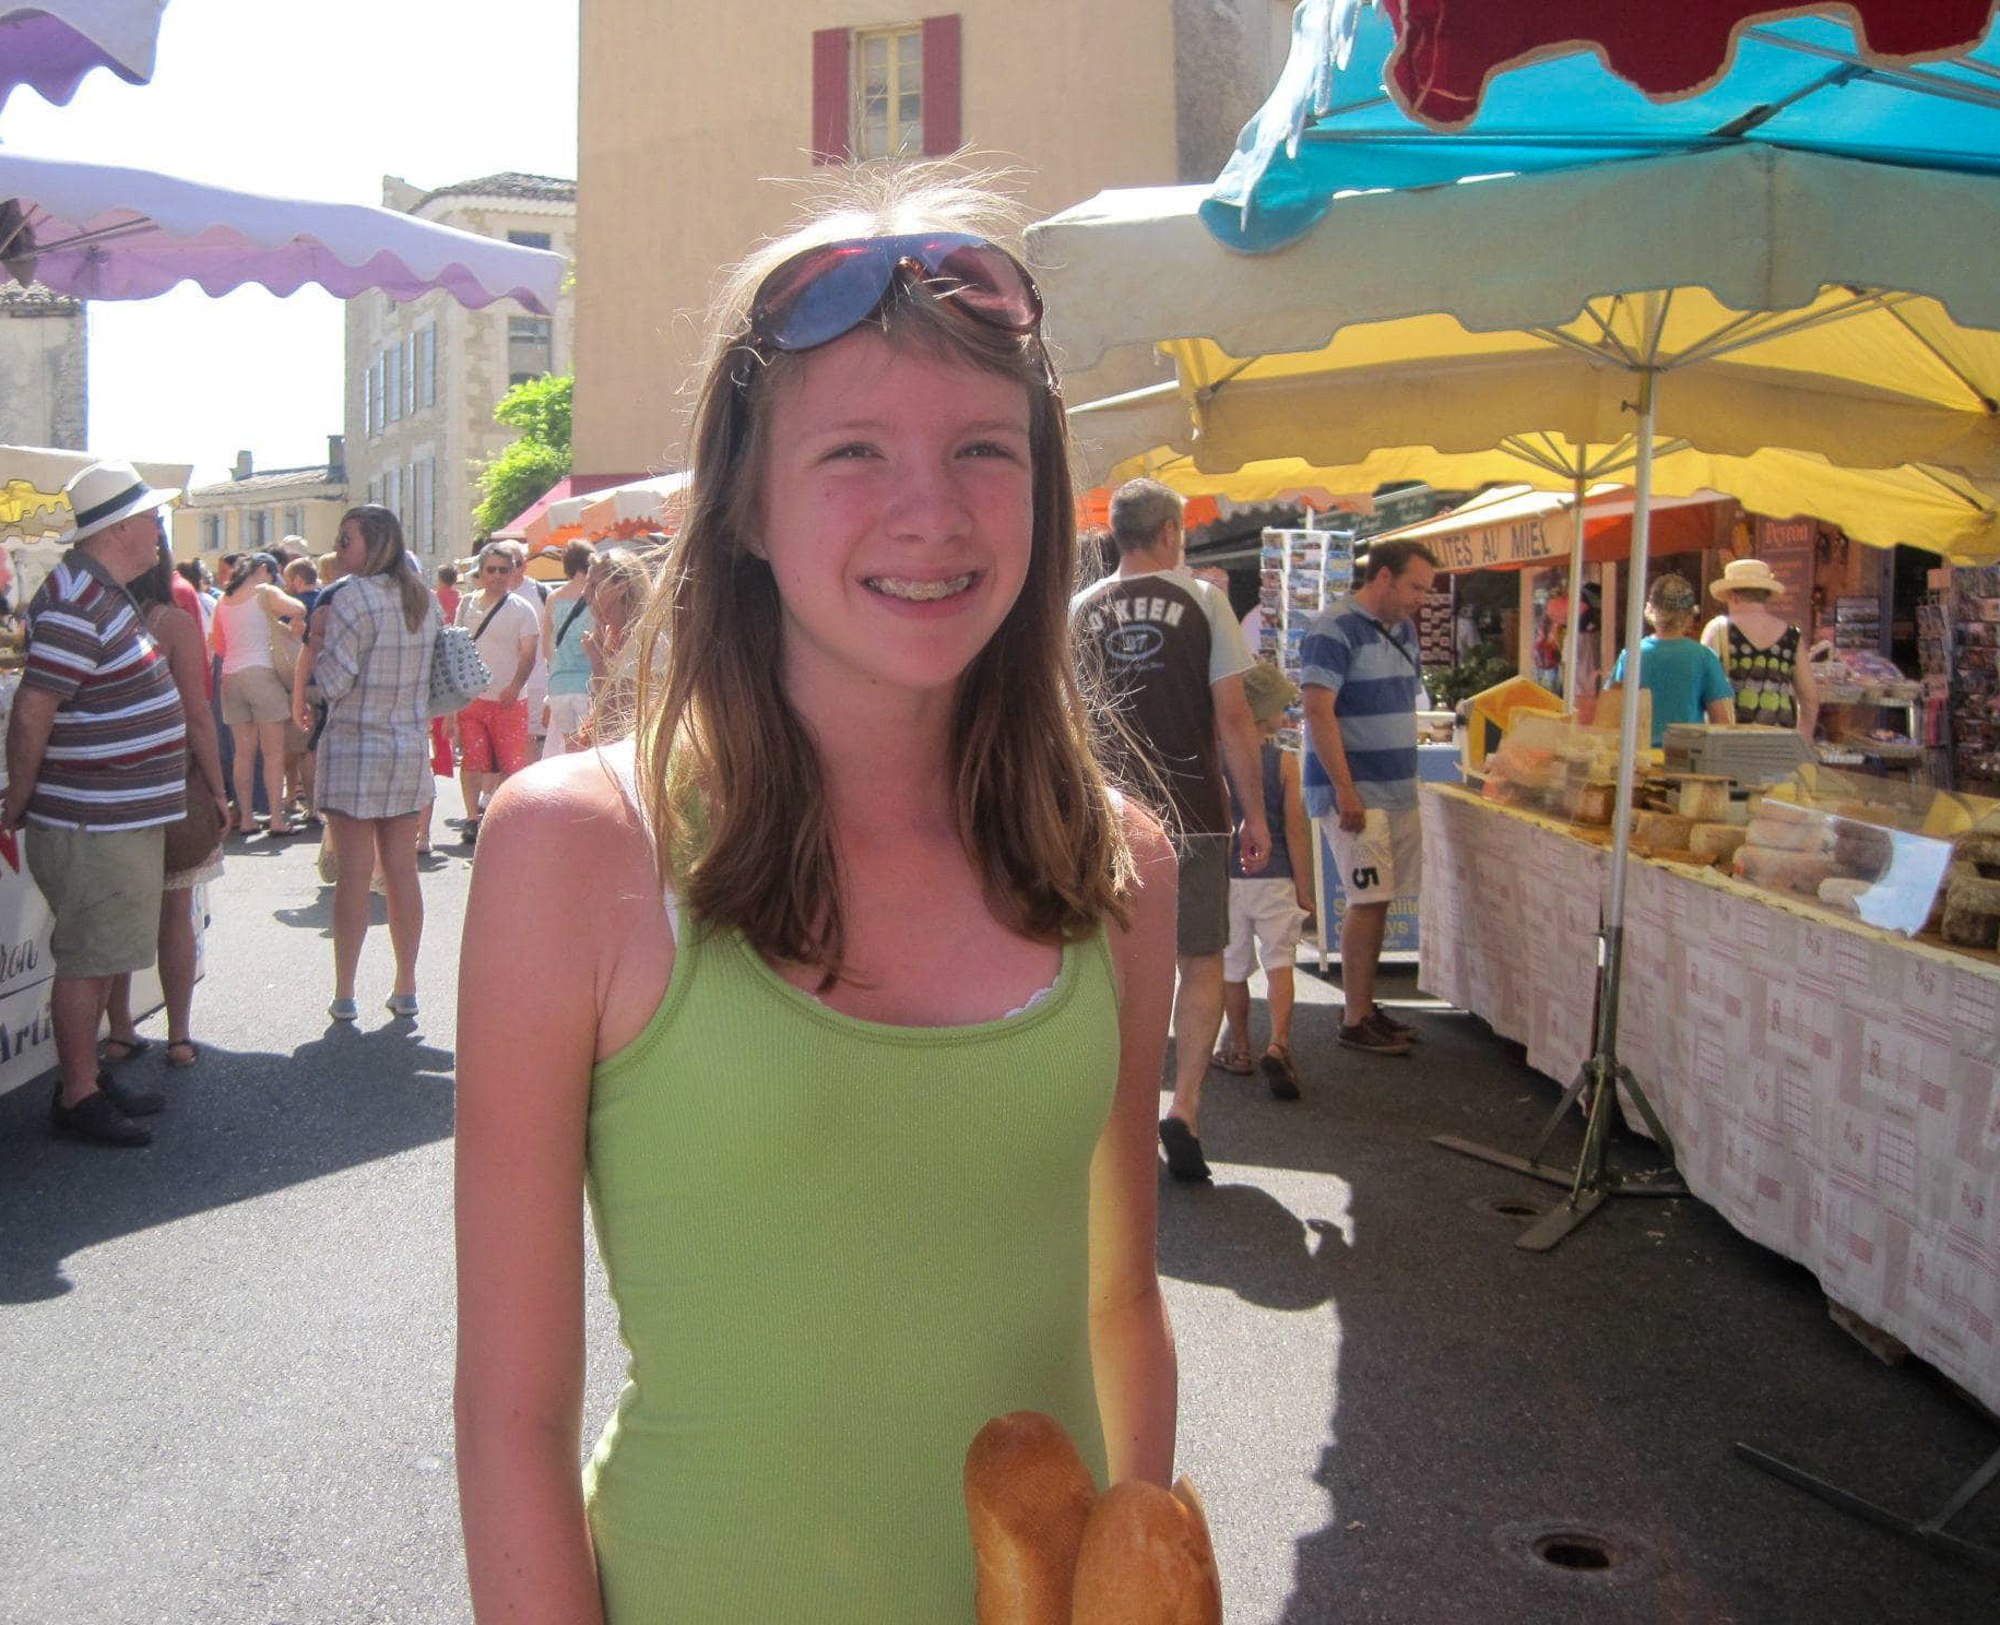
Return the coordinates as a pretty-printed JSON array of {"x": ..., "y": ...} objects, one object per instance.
[
  {"x": 1376, "y": 678},
  {"x": 115, "y": 757}
]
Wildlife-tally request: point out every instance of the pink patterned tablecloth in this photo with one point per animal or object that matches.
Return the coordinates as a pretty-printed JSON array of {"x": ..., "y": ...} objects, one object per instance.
[{"x": 1832, "y": 1090}]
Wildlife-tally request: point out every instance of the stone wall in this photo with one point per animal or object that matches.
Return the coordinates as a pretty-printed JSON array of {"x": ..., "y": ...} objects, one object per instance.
[{"x": 44, "y": 396}]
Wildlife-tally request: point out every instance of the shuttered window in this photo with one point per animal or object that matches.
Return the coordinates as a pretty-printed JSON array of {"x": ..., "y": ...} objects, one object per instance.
[{"x": 886, "y": 92}]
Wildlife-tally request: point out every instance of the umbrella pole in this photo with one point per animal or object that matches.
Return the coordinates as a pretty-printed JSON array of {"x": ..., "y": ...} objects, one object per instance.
[
  {"x": 1597, "y": 1085},
  {"x": 1575, "y": 600}
]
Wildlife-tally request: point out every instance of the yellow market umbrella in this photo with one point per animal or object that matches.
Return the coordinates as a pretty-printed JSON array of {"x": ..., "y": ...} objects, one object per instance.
[
  {"x": 1724, "y": 302},
  {"x": 1950, "y": 514}
]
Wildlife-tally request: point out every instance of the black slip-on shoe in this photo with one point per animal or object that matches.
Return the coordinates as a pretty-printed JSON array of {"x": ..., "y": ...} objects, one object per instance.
[
  {"x": 130, "y": 1098},
  {"x": 1184, "y": 1159},
  {"x": 95, "y": 1120}
]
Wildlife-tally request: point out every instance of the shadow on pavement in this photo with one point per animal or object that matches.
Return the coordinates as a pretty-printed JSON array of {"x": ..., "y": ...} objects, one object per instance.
[
  {"x": 1478, "y": 1396},
  {"x": 236, "y": 1126}
]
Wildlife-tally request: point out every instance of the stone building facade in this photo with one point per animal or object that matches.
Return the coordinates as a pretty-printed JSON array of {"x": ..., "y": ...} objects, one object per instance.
[
  {"x": 252, "y": 509},
  {"x": 685, "y": 109},
  {"x": 423, "y": 377},
  {"x": 44, "y": 396}
]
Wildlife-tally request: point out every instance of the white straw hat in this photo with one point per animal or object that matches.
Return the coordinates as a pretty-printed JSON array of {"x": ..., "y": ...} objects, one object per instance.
[
  {"x": 105, "y": 493},
  {"x": 1746, "y": 575}
]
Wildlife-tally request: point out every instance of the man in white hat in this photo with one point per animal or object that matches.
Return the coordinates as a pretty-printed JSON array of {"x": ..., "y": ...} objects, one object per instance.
[{"x": 95, "y": 767}]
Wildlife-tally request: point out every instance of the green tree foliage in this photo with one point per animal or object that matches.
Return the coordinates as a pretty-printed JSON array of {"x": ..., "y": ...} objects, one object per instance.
[{"x": 540, "y": 411}]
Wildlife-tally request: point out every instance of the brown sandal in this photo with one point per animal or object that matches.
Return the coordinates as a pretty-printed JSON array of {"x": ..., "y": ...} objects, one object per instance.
[
  {"x": 1234, "y": 1060},
  {"x": 1279, "y": 1074},
  {"x": 182, "y": 1053}
]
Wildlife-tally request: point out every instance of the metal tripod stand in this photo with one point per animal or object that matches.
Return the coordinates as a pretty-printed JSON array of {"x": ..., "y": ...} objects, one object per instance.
[
  {"x": 1929, "y": 1533},
  {"x": 1597, "y": 1084},
  {"x": 1596, "y": 1088}
]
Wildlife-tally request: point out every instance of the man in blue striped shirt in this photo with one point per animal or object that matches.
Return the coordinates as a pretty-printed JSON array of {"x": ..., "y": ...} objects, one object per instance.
[{"x": 1363, "y": 684}]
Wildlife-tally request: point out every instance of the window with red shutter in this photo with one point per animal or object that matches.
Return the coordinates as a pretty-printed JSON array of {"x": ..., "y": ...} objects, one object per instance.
[
  {"x": 941, "y": 98},
  {"x": 887, "y": 92},
  {"x": 831, "y": 103}
]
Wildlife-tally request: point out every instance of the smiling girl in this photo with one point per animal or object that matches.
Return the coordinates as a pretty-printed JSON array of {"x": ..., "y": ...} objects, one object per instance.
[{"x": 851, "y": 1023}]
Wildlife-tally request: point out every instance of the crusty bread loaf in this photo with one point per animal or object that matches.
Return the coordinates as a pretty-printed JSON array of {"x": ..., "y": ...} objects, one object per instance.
[
  {"x": 1027, "y": 1497},
  {"x": 1146, "y": 1560}
]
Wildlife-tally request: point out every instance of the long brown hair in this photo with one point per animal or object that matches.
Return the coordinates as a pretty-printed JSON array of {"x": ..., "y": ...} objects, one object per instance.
[
  {"x": 383, "y": 554},
  {"x": 727, "y": 771}
]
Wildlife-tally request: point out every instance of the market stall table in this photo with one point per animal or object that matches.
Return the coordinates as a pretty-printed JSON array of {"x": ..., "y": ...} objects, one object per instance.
[{"x": 1831, "y": 1089}]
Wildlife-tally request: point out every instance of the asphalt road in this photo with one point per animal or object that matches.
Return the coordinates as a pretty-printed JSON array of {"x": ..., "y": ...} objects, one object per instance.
[{"x": 225, "y": 1361}]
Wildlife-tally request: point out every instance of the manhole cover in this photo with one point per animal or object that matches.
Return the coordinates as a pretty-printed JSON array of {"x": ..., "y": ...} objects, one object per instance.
[
  {"x": 1572, "y": 1553},
  {"x": 1510, "y": 1207},
  {"x": 1575, "y": 1550}
]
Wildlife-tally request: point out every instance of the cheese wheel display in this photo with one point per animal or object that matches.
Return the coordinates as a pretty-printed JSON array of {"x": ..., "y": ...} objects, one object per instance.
[
  {"x": 1146, "y": 1559},
  {"x": 1863, "y": 851},
  {"x": 1711, "y": 843},
  {"x": 1658, "y": 831},
  {"x": 1027, "y": 1498},
  {"x": 1980, "y": 849},
  {"x": 1972, "y": 912},
  {"x": 1783, "y": 812},
  {"x": 1786, "y": 836},
  {"x": 1702, "y": 799},
  {"x": 1797, "y": 872}
]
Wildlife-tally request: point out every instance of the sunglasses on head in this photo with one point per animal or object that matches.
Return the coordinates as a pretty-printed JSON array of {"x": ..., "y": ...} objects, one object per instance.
[{"x": 824, "y": 292}]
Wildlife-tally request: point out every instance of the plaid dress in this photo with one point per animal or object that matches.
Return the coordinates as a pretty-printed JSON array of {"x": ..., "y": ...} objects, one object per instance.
[{"x": 374, "y": 672}]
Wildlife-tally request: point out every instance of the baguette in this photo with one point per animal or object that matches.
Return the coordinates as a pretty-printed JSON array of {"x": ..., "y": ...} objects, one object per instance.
[
  {"x": 1146, "y": 1559},
  {"x": 1027, "y": 1497}
]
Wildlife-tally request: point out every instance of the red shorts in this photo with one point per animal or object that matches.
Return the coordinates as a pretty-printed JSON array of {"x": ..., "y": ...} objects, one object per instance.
[{"x": 493, "y": 738}]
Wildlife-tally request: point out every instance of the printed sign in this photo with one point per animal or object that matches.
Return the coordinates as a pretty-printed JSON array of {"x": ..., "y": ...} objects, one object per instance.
[{"x": 1788, "y": 547}]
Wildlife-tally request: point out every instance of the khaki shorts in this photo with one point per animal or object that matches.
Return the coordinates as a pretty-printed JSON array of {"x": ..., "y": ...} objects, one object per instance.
[
  {"x": 103, "y": 886},
  {"x": 1383, "y": 860},
  {"x": 1203, "y": 926},
  {"x": 254, "y": 694}
]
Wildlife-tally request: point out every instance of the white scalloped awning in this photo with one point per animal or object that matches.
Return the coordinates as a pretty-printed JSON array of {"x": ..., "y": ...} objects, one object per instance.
[
  {"x": 100, "y": 232},
  {"x": 49, "y": 46}
]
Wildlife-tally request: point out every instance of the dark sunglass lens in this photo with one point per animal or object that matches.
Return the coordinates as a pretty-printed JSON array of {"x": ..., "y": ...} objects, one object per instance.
[{"x": 992, "y": 286}]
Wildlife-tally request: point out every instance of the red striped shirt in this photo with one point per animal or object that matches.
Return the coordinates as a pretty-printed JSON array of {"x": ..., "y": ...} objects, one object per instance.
[{"x": 116, "y": 752}]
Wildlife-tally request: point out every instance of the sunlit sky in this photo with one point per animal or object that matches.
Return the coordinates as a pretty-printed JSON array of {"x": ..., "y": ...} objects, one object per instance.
[{"x": 304, "y": 99}]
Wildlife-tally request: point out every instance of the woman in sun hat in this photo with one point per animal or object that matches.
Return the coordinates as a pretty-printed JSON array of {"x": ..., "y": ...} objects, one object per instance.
[{"x": 1759, "y": 650}]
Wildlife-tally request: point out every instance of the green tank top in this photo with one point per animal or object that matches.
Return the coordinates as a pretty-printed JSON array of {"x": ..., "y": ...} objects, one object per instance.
[{"x": 837, "y": 1249}]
